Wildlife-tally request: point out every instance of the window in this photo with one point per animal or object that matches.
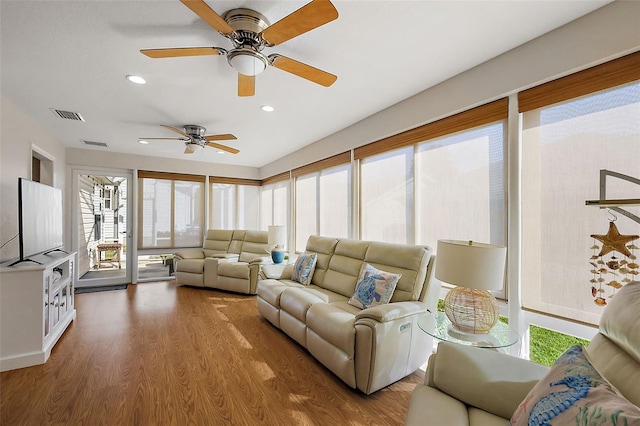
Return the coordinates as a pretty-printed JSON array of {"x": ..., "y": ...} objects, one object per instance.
[
  {"x": 386, "y": 196},
  {"x": 234, "y": 206},
  {"x": 460, "y": 191},
  {"x": 171, "y": 210},
  {"x": 323, "y": 204},
  {"x": 564, "y": 147},
  {"x": 274, "y": 204}
]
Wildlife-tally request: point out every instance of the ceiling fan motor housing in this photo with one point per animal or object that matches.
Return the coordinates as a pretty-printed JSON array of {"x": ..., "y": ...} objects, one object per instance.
[
  {"x": 195, "y": 131},
  {"x": 247, "y": 25}
]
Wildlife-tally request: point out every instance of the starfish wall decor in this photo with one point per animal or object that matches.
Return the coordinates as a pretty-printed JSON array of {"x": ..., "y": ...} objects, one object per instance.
[{"x": 609, "y": 271}]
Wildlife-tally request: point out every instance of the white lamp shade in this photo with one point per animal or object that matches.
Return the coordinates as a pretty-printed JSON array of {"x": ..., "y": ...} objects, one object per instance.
[
  {"x": 277, "y": 235},
  {"x": 193, "y": 147},
  {"x": 470, "y": 264}
]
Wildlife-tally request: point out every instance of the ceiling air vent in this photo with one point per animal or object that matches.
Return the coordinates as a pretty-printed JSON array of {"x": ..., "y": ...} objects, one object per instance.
[
  {"x": 67, "y": 115},
  {"x": 92, "y": 143}
]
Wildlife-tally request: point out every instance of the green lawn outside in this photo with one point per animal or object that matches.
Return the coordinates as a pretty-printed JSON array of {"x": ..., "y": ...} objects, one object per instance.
[{"x": 545, "y": 345}]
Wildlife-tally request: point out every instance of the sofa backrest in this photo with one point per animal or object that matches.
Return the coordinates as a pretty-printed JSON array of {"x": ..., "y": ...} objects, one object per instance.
[
  {"x": 341, "y": 260},
  {"x": 255, "y": 244},
  {"x": 409, "y": 260},
  {"x": 217, "y": 241},
  {"x": 615, "y": 350},
  {"x": 345, "y": 266},
  {"x": 324, "y": 248}
]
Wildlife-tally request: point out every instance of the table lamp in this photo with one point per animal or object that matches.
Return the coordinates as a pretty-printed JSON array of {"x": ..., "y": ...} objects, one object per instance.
[
  {"x": 475, "y": 268},
  {"x": 276, "y": 238}
]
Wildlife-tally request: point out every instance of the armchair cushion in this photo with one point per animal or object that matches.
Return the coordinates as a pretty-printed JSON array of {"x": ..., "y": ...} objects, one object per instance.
[
  {"x": 374, "y": 287},
  {"x": 573, "y": 392}
]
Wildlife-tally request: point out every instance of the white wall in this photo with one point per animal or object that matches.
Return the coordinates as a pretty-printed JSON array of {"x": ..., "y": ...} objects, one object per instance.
[
  {"x": 87, "y": 158},
  {"x": 18, "y": 136},
  {"x": 609, "y": 32}
]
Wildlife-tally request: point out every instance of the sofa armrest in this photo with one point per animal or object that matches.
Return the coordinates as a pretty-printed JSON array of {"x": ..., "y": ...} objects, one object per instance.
[
  {"x": 466, "y": 372},
  {"x": 189, "y": 254},
  {"x": 392, "y": 311},
  {"x": 276, "y": 271},
  {"x": 229, "y": 257},
  {"x": 260, "y": 260}
]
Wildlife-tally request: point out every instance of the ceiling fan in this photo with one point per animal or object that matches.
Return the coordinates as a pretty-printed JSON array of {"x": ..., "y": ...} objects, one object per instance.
[
  {"x": 250, "y": 32},
  {"x": 195, "y": 139}
]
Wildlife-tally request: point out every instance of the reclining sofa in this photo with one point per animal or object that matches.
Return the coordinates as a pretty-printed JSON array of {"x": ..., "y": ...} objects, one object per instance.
[
  {"x": 471, "y": 386},
  {"x": 367, "y": 348},
  {"x": 229, "y": 260}
]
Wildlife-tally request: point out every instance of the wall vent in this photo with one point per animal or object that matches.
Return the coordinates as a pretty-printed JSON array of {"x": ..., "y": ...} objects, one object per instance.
[
  {"x": 93, "y": 143},
  {"x": 67, "y": 115}
]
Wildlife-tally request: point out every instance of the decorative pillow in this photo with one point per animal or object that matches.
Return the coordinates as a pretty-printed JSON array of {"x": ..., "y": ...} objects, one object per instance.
[
  {"x": 375, "y": 287},
  {"x": 304, "y": 267},
  {"x": 574, "y": 393}
]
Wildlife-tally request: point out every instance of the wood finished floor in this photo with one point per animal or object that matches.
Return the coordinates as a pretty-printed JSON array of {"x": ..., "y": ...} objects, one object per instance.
[{"x": 159, "y": 354}]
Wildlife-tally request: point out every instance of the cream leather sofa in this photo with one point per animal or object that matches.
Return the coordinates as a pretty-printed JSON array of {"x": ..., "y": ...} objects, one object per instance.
[
  {"x": 229, "y": 260},
  {"x": 471, "y": 386},
  {"x": 368, "y": 349}
]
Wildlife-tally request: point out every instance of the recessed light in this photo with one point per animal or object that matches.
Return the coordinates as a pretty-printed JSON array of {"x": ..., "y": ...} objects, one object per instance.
[
  {"x": 143, "y": 142},
  {"x": 220, "y": 152},
  {"x": 136, "y": 79},
  {"x": 267, "y": 108}
]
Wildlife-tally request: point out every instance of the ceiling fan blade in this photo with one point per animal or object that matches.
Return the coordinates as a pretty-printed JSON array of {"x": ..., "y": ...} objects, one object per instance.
[
  {"x": 208, "y": 15},
  {"x": 223, "y": 147},
  {"x": 308, "y": 72},
  {"x": 181, "y": 51},
  {"x": 308, "y": 17},
  {"x": 246, "y": 85},
  {"x": 173, "y": 129},
  {"x": 225, "y": 137},
  {"x": 188, "y": 151}
]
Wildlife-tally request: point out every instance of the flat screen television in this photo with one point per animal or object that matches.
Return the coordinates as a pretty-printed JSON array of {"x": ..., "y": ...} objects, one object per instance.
[{"x": 40, "y": 219}]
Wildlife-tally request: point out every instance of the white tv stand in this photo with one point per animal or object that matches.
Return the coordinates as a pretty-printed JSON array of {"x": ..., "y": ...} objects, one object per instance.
[{"x": 36, "y": 307}]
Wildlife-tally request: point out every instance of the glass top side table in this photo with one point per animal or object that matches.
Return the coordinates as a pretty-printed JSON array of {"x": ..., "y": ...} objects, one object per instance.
[{"x": 439, "y": 326}]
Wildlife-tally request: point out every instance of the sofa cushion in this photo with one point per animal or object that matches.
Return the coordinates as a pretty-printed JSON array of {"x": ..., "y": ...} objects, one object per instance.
[
  {"x": 573, "y": 392},
  {"x": 297, "y": 301},
  {"x": 233, "y": 269},
  {"x": 374, "y": 287},
  {"x": 334, "y": 326},
  {"x": 304, "y": 267},
  {"x": 195, "y": 266}
]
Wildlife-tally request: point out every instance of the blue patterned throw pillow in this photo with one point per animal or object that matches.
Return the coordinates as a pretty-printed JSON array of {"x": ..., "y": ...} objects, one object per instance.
[
  {"x": 574, "y": 393},
  {"x": 374, "y": 287},
  {"x": 304, "y": 267}
]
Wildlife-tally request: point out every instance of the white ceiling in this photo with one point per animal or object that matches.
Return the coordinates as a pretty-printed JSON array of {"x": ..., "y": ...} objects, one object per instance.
[{"x": 74, "y": 56}]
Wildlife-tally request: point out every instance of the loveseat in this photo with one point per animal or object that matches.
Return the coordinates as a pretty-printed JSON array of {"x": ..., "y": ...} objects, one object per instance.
[
  {"x": 229, "y": 260},
  {"x": 367, "y": 348},
  {"x": 472, "y": 386}
]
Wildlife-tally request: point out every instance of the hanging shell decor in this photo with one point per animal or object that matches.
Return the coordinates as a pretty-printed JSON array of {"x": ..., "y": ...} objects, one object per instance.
[{"x": 610, "y": 273}]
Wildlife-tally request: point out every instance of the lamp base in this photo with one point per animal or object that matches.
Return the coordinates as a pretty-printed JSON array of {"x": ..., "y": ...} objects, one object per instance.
[
  {"x": 471, "y": 310},
  {"x": 277, "y": 256}
]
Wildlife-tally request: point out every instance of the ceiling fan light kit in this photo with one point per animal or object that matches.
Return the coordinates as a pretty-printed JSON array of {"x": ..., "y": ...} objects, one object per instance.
[{"x": 250, "y": 32}]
